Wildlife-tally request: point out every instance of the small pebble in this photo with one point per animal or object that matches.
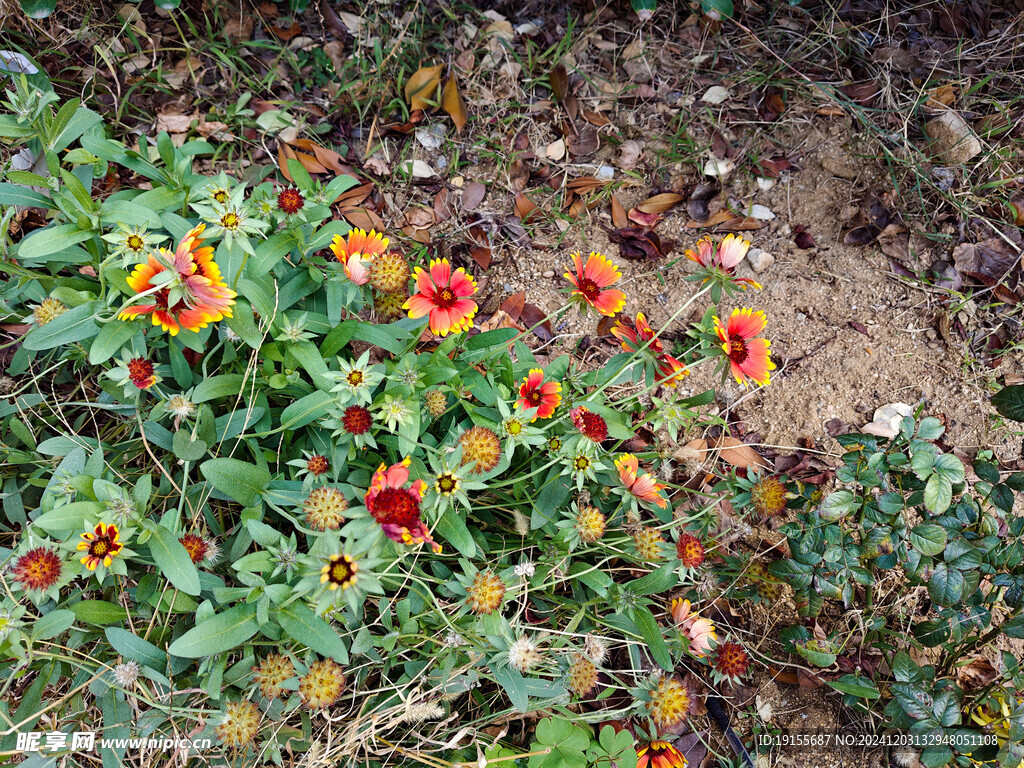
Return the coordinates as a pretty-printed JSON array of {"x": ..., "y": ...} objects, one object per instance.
[
  {"x": 508, "y": 288},
  {"x": 801, "y": 317},
  {"x": 549, "y": 273},
  {"x": 759, "y": 260}
]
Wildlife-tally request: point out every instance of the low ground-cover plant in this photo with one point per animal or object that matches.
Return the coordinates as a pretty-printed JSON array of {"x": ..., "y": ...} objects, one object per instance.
[{"x": 265, "y": 483}]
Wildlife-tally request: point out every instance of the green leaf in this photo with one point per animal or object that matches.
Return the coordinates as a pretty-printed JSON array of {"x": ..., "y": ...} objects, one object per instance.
[
  {"x": 946, "y": 585},
  {"x": 187, "y": 449},
  {"x": 15, "y": 194},
  {"x": 305, "y": 627},
  {"x": 950, "y": 467},
  {"x": 308, "y": 356},
  {"x": 99, "y": 612},
  {"x": 514, "y": 686},
  {"x": 306, "y": 409},
  {"x": 499, "y": 337},
  {"x": 720, "y": 8},
  {"x": 389, "y": 337},
  {"x": 52, "y": 624},
  {"x": 838, "y": 505},
  {"x": 38, "y": 9},
  {"x": 224, "y": 385},
  {"x": 1009, "y": 402},
  {"x": 239, "y": 480},
  {"x": 222, "y": 632},
  {"x": 655, "y": 582},
  {"x": 76, "y": 324},
  {"x": 69, "y": 517},
  {"x": 938, "y": 494},
  {"x": 109, "y": 341},
  {"x": 936, "y": 756},
  {"x": 651, "y": 633},
  {"x": 928, "y": 538},
  {"x": 270, "y": 252},
  {"x": 452, "y": 528},
  {"x": 855, "y": 685},
  {"x": 173, "y": 560},
  {"x": 135, "y": 648},
  {"x": 50, "y": 240}
]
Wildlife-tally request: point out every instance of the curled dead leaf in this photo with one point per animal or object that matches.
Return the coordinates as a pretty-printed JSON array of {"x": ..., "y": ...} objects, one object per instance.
[
  {"x": 421, "y": 88},
  {"x": 739, "y": 454},
  {"x": 472, "y": 195},
  {"x": 661, "y": 203},
  {"x": 453, "y": 103}
]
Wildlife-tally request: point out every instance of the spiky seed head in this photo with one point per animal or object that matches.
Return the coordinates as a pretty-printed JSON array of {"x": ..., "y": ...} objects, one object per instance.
[
  {"x": 323, "y": 685},
  {"x": 388, "y": 306},
  {"x": 648, "y": 543},
  {"x": 482, "y": 445},
  {"x": 581, "y": 677},
  {"x": 239, "y": 723},
  {"x": 272, "y": 672},
  {"x": 590, "y": 523},
  {"x": 668, "y": 702},
  {"x": 768, "y": 496},
  {"x": 325, "y": 508},
  {"x": 49, "y": 309},
  {"x": 524, "y": 654},
  {"x": 390, "y": 273},
  {"x": 595, "y": 648},
  {"x": 486, "y": 593},
  {"x": 126, "y": 673},
  {"x": 690, "y": 551},
  {"x": 436, "y": 402},
  {"x": 730, "y": 660}
]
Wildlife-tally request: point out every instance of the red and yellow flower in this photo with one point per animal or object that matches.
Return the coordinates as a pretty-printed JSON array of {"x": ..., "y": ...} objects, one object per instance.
[
  {"x": 358, "y": 251},
  {"x": 38, "y": 569},
  {"x": 748, "y": 355},
  {"x": 100, "y": 546},
  {"x": 141, "y": 372},
  {"x": 396, "y": 507},
  {"x": 201, "y": 296},
  {"x": 534, "y": 392},
  {"x": 443, "y": 295},
  {"x": 726, "y": 257},
  {"x": 642, "y": 486},
  {"x": 590, "y": 425},
  {"x": 591, "y": 284},
  {"x": 668, "y": 370},
  {"x": 659, "y": 754}
]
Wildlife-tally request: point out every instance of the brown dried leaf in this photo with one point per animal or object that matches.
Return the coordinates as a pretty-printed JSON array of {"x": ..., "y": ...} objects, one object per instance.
[
  {"x": 519, "y": 175},
  {"x": 661, "y": 203},
  {"x": 419, "y": 218},
  {"x": 639, "y": 243},
  {"x": 741, "y": 224},
  {"x": 863, "y": 93},
  {"x": 739, "y": 454},
  {"x": 472, "y": 195},
  {"x": 419, "y": 235},
  {"x": 596, "y": 119},
  {"x": 697, "y": 205},
  {"x": 354, "y": 196},
  {"x": 524, "y": 207},
  {"x": 499, "y": 319},
  {"x": 442, "y": 208},
  {"x": 619, "y": 218},
  {"x": 533, "y": 317},
  {"x": 364, "y": 218},
  {"x": 286, "y": 33},
  {"x": 714, "y": 220},
  {"x": 422, "y": 86},
  {"x": 978, "y": 674},
  {"x": 559, "y": 82},
  {"x": 584, "y": 143},
  {"x": 584, "y": 184},
  {"x": 513, "y": 305},
  {"x": 941, "y": 97},
  {"x": 992, "y": 258},
  {"x": 453, "y": 103},
  {"x": 646, "y": 220},
  {"x": 802, "y": 237}
]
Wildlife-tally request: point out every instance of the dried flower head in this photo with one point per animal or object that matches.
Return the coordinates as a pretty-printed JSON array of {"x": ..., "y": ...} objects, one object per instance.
[
  {"x": 486, "y": 593},
  {"x": 581, "y": 677},
  {"x": 325, "y": 508},
  {"x": 49, "y": 309},
  {"x": 38, "y": 569},
  {"x": 668, "y": 702},
  {"x": 390, "y": 273},
  {"x": 590, "y": 523},
  {"x": 436, "y": 402},
  {"x": 595, "y": 648},
  {"x": 323, "y": 685},
  {"x": 389, "y": 306},
  {"x": 239, "y": 723},
  {"x": 768, "y": 587},
  {"x": 689, "y": 550},
  {"x": 126, "y": 673},
  {"x": 648, "y": 543},
  {"x": 481, "y": 445},
  {"x": 768, "y": 496},
  {"x": 141, "y": 373},
  {"x": 180, "y": 406},
  {"x": 524, "y": 654},
  {"x": 199, "y": 548},
  {"x": 272, "y": 672}
]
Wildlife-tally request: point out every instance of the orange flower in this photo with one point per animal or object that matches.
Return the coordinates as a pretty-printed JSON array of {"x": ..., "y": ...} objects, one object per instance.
[
  {"x": 358, "y": 252},
  {"x": 396, "y": 507},
  {"x": 644, "y": 487},
  {"x": 201, "y": 296},
  {"x": 659, "y": 754},
  {"x": 534, "y": 392},
  {"x": 748, "y": 356},
  {"x": 592, "y": 281},
  {"x": 37, "y": 569},
  {"x": 444, "y": 296},
  {"x": 699, "y": 630},
  {"x": 100, "y": 546},
  {"x": 667, "y": 368},
  {"x": 726, "y": 258}
]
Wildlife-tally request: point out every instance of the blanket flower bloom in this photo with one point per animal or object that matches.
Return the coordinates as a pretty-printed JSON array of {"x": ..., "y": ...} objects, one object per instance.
[
  {"x": 591, "y": 284},
  {"x": 748, "y": 355},
  {"x": 700, "y": 631},
  {"x": 724, "y": 259},
  {"x": 590, "y": 425},
  {"x": 100, "y": 545},
  {"x": 443, "y": 295},
  {"x": 659, "y": 754},
  {"x": 194, "y": 296},
  {"x": 38, "y": 569},
  {"x": 642, "y": 486},
  {"x": 668, "y": 370},
  {"x": 534, "y": 392},
  {"x": 141, "y": 372},
  {"x": 358, "y": 252},
  {"x": 396, "y": 507}
]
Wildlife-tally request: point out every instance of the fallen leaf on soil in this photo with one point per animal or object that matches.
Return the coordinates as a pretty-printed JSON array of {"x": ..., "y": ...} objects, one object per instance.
[
  {"x": 499, "y": 319},
  {"x": 941, "y": 97},
  {"x": 739, "y": 454},
  {"x": 992, "y": 258},
  {"x": 519, "y": 175},
  {"x": 442, "y": 208},
  {"x": 887, "y": 419},
  {"x": 619, "y": 218},
  {"x": 716, "y": 94},
  {"x": 661, "y": 203},
  {"x": 472, "y": 195},
  {"x": 741, "y": 224},
  {"x": 453, "y": 103},
  {"x": 555, "y": 150},
  {"x": 629, "y": 154},
  {"x": 978, "y": 674},
  {"x": 719, "y": 168},
  {"x": 533, "y": 317},
  {"x": 419, "y": 235},
  {"x": 286, "y": 33},
  {"x": 595, "y": 118},
  {"x": 364, "y": 219},
  {"x": 863, "y": 93},
  {"x": 712, "y": 221},
  {"x": 420, "y": 218},
  {"x": 215, "y": 130},
  {"x": 416, "y": 117},
  {"x": 174, "y": 122},
  {"x": 639, "y": 243},
  {"x": 523, "y": 206},
  {"x": 513, "y": 305},
  {"x": 584, "y": 184},
  {"x": 422, "y": 86},
  {"x": 697, "y": 205},
  {"x": 417, "y": 168},
  {"x": 830, "y": 111},
  {"x": 645, "y": 220},
  {"x": 584, "y": 143},
  {"x": 802, "y": 237},
  {"x": 559, "y": 82}
]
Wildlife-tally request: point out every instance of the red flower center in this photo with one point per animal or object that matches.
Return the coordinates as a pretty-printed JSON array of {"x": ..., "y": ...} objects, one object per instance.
[
  {"x": 356, "y": 420},
  {"x": 589, "y": 288},
  {"x": 290, "y": 201},
  {"x": 533, "y": 397},
  {"x": 38, "y": 569},
  {"x": 195, "y": 546},
  {"x": 139, "y": 370},
  {"x": 737, "y": 349},
  {"x": 317, "y": 465},
  {"x": 445, "y": 298},
  {"x": 396, "y": 506}
]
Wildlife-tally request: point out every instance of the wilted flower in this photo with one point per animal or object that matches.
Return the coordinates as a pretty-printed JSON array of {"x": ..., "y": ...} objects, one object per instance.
[
  {"x": 595, "y": 648},
  {"x": 180, "y": 407},
  {"x": 591, "y": 284},
  {"x": 590, "y": 523},
  {"x": 524, "y": 654},
  {"x": 648, "y": 543},
  {"x": 667, "y": 369},
  {"x": 436, "y": 402},
  {"x": 390, "y": 306},
  {"x": 48, "y": 310},
  {"x": 200, "y": 548},
  {"x": 100, "y": 546},
  {"x": 748, "y": 356},
  {"x": 689, "y": 550},
  {"x": 358, "y": 252},
  {"x": 443, "y": 295},
  {"x": 730, "y": 661},
  {"x": 591, "y": 425},
  {"x": 126, "y": 673},
  {"x": 769, "y": 496},
  {"x": 396, "y": 507}
]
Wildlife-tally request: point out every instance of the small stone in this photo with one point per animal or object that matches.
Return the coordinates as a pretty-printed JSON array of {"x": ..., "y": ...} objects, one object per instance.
[
  {"x": 759, "y": 260},
  {"x": 605, "y": 173},
  {"x": 801, "y": 317},
  {"x": 549, "y": 273},
  {"x": 953, "y": 140},
  {"x": 764, "y": 183},
  {"x": 508, "y": 288}
]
